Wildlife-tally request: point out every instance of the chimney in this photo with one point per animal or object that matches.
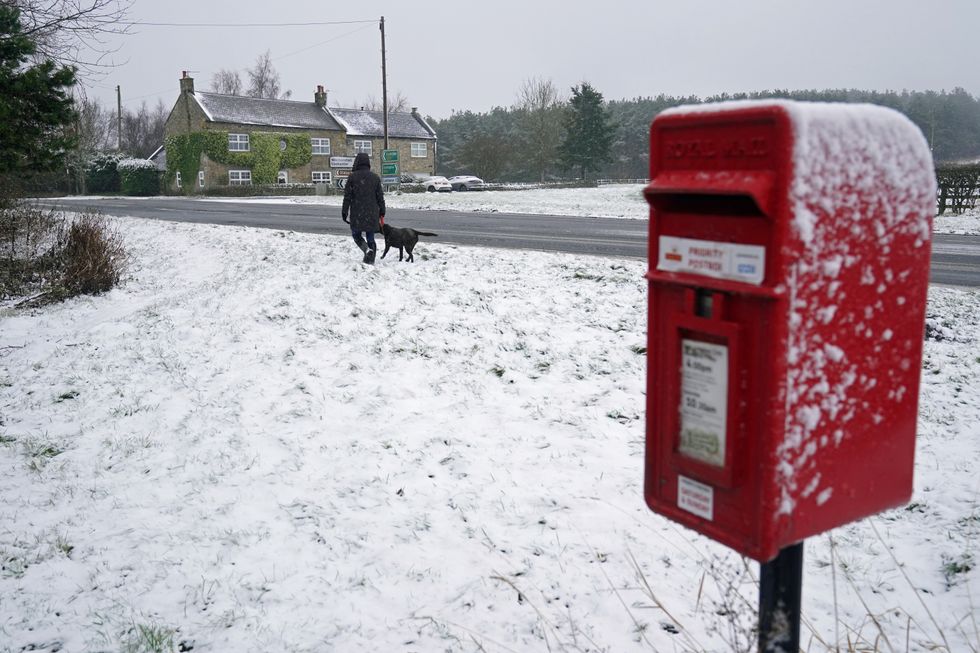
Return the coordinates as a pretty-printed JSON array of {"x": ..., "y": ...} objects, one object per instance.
[
  {"x": 415, "y": 111},
  {"x": 186, "y": 83},
  {"x": 320, "y": 97}
]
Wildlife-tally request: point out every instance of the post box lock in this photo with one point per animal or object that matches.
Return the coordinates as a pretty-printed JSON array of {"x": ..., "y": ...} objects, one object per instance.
[{"x": 787, "y": 240}]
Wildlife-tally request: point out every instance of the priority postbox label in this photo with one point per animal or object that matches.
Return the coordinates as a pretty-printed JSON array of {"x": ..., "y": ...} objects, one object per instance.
[{"x": 713, "y": 259}]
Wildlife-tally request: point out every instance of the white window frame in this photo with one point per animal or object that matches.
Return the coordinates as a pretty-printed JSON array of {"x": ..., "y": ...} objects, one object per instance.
[
  {"x": 425, "y": 150},
  {"x": 238, "y": 143},
  {"x": 326, "y": 177},
  {"x": 178, "y": 180},
  {"x": 321, "y": 146},
  {"x": 200, "y": 179},
  {"x": 239, "y": 177},
  {"x": 364, "y": 146}
]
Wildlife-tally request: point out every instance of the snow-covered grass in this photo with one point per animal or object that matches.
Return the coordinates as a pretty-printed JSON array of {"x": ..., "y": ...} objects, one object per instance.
[
  {"x": 967, "y": 223},
  {"x": 609, "y": 201},
  {"x": 259, "y": 444}
]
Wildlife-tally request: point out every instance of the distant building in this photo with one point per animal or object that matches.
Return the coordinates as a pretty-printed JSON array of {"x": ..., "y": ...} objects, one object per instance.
[{"x": 243, "y": 140}]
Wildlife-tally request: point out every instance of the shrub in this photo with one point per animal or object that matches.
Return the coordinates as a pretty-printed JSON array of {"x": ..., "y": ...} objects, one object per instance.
[
  {"x": 30, "y": 240},
  {"x": 93, "y": 257},
  {"x": 138, "y": 177},
  {"x": 101, "y": 175},
  {"x": 45, "y": 258}
]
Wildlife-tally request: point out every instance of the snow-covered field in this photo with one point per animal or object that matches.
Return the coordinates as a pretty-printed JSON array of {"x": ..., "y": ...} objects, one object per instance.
[
  {"x": 256, "y": 443},
  {"x": 609, "y": 201}
]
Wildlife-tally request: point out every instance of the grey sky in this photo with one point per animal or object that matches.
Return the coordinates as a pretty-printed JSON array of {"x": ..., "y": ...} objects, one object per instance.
[{"x": 456, "y": 56}]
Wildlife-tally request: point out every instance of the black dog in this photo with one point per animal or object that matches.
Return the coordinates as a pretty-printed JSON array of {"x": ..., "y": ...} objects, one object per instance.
[{"x": 404, "y": 238}]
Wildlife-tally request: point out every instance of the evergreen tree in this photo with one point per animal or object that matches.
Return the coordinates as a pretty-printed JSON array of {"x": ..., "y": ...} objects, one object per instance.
[
  {"x": 35, "y": 108},
  {"x": 589, "y": 132}
]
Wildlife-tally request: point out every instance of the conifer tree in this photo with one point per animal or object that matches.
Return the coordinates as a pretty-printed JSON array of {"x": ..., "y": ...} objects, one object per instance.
[
  {"x": 35, "y": 107},
  {"x": 589, "y": 131}
]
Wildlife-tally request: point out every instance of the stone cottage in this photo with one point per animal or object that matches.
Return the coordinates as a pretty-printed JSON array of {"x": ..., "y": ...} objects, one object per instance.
[{"x": 213, "y": 140}]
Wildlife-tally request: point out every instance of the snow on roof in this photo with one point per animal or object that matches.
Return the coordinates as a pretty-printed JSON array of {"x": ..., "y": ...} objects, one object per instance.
[
  {"x": 159, "y": 158},
  {"x": 260, "y": 111},
  {"x": 371, "y": 123}
]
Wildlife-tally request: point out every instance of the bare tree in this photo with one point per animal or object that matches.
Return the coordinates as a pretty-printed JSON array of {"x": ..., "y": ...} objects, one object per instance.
[
  {"x": 539, "y": 106},
  {"x": 264, "y": 79},
  {"x": 96, "y": 127},
  {"x": 74, "y": 32},
  {"x": 94, "y": 130},
  {"x": 142, "y": 131},
  {"x": 226, "y": 82},
  {"x": 397, "y": 104}
]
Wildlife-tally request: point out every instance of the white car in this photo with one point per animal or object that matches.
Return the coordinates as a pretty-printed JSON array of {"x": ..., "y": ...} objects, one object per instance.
[
  {"x": 440, "y": 184},
  {"x": 466, "y": 182}
]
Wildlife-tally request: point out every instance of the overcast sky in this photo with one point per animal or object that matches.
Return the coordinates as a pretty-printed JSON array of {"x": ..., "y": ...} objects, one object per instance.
[{"x": 446, "y": 56}]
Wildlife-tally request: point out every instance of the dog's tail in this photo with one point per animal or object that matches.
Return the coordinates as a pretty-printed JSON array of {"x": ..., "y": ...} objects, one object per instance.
[{"x": 425, "y": 233}]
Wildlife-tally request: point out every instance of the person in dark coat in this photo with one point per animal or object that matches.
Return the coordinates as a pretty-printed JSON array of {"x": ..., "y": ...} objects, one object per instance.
[{"x": 364, "y": 202}]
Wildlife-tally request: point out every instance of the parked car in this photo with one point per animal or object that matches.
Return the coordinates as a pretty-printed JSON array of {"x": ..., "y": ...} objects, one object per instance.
[
  {"x": 466, "y": 182},
  {"x": 440, "y": 184},
  {"x": 414, "y": 177}
]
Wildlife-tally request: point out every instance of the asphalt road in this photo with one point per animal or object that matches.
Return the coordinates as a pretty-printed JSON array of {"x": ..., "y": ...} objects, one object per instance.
[{"x": 955, "y": 259}]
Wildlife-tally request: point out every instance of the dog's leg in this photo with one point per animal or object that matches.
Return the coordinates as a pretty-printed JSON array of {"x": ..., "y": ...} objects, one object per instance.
[
  {"x": 385, "y": 253},
  {"x": 411, "y": 256},
  {"x": 400, "y": 252}
]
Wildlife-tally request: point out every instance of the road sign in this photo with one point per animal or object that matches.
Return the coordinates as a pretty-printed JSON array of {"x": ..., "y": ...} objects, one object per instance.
[
  {"x": 389, "y": 156},
  {"x": 389, "y": 169},
  {"x": 390, "y": 180}
]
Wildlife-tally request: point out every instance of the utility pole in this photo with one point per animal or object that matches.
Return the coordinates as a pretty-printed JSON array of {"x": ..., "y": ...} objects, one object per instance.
[
  {"x": 118, "y": 118},
  {"x": 384, "y": 82}
]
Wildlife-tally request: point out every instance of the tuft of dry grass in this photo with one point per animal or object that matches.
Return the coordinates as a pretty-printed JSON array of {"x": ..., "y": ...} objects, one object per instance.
[
  {"x": 93, "y": 258},
  {"x": 46, "y": 257}
]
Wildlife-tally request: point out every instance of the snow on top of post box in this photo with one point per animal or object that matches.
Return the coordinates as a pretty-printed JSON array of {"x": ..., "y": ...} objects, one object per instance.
[{"x": 861, "y": 200}]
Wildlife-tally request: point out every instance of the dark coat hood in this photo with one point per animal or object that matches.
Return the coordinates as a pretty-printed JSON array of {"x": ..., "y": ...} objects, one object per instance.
[{"x": 362, "y": 161}]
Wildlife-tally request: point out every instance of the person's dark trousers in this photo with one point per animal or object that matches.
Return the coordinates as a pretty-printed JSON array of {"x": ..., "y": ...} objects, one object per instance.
[
  {"x": 359, "y": 239},
  {"x": 369, "y": 248}
]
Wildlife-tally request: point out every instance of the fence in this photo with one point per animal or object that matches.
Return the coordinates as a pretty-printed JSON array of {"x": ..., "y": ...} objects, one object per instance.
[{"x": 959, "y": 186}]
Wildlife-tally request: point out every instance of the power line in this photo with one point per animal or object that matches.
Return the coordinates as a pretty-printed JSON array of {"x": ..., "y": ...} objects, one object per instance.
[
  {"x": 307, "y": 24},
  {"x": 316, "y": 45}
]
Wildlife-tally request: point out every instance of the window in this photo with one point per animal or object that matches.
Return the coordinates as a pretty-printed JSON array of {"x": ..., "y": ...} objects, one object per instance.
[
  {"x": 419, "y": 150},
  {"x": 238, "y": 142},
  {"x": 200, "y": 179},
  {"x": 240, "y": 177},
  {"x": 283, "y": 178},
  {"x": 322, "y": 177},
  {"x": 178, "y": 179},
  {"x": 362, "y": 146},
  {"x": 320, "y": 145}
]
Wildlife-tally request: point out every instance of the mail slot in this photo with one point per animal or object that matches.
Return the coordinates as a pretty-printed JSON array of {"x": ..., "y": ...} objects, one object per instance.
[{"x": 788, "y": 270}]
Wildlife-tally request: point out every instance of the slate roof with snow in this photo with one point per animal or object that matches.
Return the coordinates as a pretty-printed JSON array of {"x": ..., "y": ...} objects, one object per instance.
[
  {"x": 307, "y": 115},
  {"x": 358, "y": 122},
  {"x": 259, "y": 111}
]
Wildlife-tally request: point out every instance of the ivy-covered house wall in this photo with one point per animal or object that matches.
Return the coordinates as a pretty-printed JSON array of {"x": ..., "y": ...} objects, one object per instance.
[
  {"x": 269, "y": 152},
  {"x": 279, "y": 140}
]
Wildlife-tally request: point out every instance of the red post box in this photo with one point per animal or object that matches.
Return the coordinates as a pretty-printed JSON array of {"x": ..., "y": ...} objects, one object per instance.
[{"x": 788, "y": 269}]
